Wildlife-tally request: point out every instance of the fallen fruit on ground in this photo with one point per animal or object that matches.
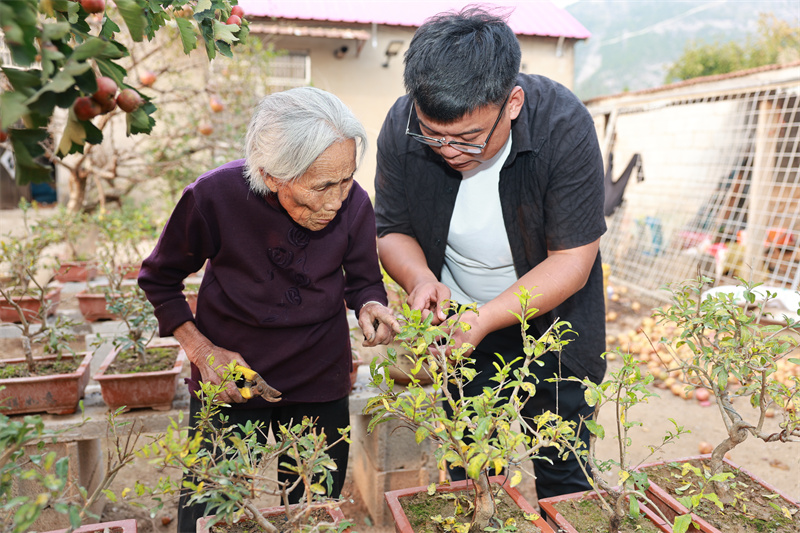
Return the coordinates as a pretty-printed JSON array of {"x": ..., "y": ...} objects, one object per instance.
[{"x": 147, "y": 78}]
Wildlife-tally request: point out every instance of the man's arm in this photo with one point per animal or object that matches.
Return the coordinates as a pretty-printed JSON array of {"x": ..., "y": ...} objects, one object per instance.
[
  {"x": 404, "y": 260},
  {"x": 552, "y": 281}
]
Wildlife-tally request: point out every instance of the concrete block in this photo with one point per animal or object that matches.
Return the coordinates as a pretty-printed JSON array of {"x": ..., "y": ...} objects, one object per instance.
[
  {"x": 391, "y": 446},
  {"x": 86, "y": 468},
  {"x": 372, "y": 484}
]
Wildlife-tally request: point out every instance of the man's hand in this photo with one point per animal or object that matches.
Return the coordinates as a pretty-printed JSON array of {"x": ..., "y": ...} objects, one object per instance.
[
  {"x": 378, "y": 324},
  {"x": 428, "y": 297},
  {"x": 473, "y": 336}
]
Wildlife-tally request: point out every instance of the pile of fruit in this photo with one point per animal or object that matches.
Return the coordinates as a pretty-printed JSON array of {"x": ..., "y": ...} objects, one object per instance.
[{"x": 652, "y": 344}]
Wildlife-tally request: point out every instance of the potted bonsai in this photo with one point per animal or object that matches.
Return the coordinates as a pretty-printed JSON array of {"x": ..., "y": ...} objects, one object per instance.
[
  {"x": 733, "y": 353},
  {"x": 233, "y": 468},
  {"x": 20, "y": 260},
  {"x": 44, "y": 378},
  {"x": 495, "y": 444},
  {"x": 138, "y": 372},
  {"x": 77, "y": 234},
  {"x": 609, "y": 507},
  {"x": 48, "y": 483}
]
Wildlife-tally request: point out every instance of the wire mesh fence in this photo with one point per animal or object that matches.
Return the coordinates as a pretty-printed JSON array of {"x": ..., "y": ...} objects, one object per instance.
[{"x": 711, "y": 186}]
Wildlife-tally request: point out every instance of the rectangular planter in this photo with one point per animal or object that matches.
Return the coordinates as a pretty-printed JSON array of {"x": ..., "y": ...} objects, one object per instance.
[
  {"x": 155, "y": 390},
  {"x": 56, "y": 394},
  {"x": 30, "y": 306},
  {"x": 402, "y": 525},
  {"x": 672, "y": 508},
  {"x": 548, "y": 507},
  {"x": 117, "y": 526},
  {"x": 72, "y": 271},
  {"x": 203, "y": 523}
]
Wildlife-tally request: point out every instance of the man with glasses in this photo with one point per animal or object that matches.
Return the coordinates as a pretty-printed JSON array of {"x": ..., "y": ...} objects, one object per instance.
[{"x": 488, "y": 179}]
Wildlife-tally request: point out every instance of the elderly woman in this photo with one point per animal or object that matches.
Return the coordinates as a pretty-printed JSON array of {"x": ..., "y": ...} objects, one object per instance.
[{"x": 288, "y": 239}]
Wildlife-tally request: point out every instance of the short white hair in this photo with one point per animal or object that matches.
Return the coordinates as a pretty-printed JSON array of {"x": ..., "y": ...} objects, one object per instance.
[{"x": 291, "y": 129}]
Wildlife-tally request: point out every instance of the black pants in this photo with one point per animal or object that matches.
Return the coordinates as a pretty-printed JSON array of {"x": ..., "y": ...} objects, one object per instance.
[
  {"x": 330, "y": 417},
  {"x": 562, "y": 476}
]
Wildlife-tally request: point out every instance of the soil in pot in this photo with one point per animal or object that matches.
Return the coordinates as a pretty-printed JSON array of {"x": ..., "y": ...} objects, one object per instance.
[
  {"x": 420, "y": 507},
  {"x": 158, "y": 358},
  {"x": 43, "y": 368},
  {"x": 279, "y": 521},
  {"x": 587, "y": 515},
  {"x": 757, "y": 509}
]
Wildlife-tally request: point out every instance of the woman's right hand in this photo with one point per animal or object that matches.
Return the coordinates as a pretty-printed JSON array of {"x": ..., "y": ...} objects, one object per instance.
[
  {"x": 210, "y": 360},
  {"x": 428, "y": 297}
]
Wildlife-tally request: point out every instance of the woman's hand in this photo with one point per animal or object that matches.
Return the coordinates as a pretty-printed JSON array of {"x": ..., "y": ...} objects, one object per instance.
[
  {"x": 210, "y": 360},
  {"x": 378, "y": 324}
]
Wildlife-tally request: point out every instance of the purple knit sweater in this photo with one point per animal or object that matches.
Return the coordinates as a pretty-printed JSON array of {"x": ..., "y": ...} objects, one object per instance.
[{"x": 272, "y": 290}]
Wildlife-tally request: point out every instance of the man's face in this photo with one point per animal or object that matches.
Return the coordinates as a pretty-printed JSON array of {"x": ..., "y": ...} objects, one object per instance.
[{"x": 473, "y": 128}]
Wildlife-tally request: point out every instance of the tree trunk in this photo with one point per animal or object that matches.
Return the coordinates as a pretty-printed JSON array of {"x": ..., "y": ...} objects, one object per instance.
[
  {"x": 77, "y": 193},
  {"x": 484, "y": 504}
]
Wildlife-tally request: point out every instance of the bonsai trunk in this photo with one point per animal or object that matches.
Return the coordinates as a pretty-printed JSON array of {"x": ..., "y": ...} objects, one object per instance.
[
  {"x": 484, "y": 504},
  {"x": 737, "y": 433}
]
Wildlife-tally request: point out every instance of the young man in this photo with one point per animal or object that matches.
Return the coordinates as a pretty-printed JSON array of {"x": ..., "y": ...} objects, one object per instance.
[{"x": 488, "y": 179}]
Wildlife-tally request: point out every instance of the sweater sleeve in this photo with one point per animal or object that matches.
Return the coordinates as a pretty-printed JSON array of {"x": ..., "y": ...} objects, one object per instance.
[
  {"x": 363, "y": 278},
  {"x": 182, "y": 249}
]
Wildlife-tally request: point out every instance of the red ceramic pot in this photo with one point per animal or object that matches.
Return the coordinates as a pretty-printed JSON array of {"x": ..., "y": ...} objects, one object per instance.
[
  {"x": 71, "y": 271},
  {"x": 56, "y": 394},
  {"x": 336, "y": 515},
  {"x": 117, "y": 526},
  {"x": 402, "y": 524},
  {"x": 30, "y": 306},
  {"x": 548, "y": 507},
  {"x": 155, "y": 390}
]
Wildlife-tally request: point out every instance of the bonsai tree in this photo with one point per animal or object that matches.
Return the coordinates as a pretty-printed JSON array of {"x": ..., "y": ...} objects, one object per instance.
[
  {"x": 21, "y": 256},
  {"x": 732, "y": 353},
  {"x": 50, "y": 474},
  {"x": 479, "y": 436},
  {"x": 122, "y": 233},
  {"x": 233, "y": 466},
  {"x": 622, "y": 390}
]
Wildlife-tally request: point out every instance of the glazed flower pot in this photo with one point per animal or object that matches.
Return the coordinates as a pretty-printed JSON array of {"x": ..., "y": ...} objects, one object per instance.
[
  {"x": 403, "y": 525},
  {"x": 30, "y": 306},
  {"x": 92, "y": 306},
  {"x": 203, "y": 523},
  {"x": 155, "y": 390},
  {"x": 672, "y": 508},
  {"x": 550, "y": 510},
  {"x": 71, "y": 271},
  {"x": 56, "y": 394},
  {"x": 117, "y": 526}
]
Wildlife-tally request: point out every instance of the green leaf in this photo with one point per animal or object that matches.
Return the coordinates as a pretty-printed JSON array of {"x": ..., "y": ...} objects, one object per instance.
[
  {"x": 109, "y": 28},
  {"x": 133, "y": 16},
  {"x": 225, "y": 32},
  {"x": 14, "y": 108},
  {"x": 187, "y": 33},
  {"x": 596, "y": 429},
  {"x": 27, "y": 148},
  {"x": 682, "y": 523}
]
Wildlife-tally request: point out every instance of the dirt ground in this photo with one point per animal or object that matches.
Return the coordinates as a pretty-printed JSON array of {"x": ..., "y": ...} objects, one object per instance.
[{"x": 777, "y": 463}]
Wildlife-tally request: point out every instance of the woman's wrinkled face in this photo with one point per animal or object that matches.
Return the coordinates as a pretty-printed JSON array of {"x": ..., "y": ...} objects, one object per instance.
[{"x": 313, "y": 199}]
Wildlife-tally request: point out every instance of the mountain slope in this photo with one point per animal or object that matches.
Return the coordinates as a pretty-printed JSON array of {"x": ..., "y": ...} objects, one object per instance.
[{"x": 633, "y": 43}]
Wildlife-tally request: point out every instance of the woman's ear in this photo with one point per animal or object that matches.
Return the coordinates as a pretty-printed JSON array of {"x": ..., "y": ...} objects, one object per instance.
[{"x": 271, "y": 182}]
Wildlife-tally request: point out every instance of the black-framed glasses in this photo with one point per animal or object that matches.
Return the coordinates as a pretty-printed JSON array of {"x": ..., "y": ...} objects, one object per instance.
[{"x": 468, "y": 148}]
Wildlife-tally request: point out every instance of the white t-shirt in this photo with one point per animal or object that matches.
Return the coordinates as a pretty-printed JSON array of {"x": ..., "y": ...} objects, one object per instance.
[{"x": 478, "y": 264}]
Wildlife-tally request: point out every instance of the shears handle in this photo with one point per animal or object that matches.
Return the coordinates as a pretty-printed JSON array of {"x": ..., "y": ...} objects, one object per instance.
[{"x": 249, "y": 375}]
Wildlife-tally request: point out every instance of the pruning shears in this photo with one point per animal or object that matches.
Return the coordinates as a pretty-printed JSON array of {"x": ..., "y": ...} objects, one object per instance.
[{"x": 252, "y": 384}]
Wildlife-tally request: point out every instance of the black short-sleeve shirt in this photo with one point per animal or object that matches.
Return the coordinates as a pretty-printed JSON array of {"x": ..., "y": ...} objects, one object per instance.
[{"x": 551, "y": 192}]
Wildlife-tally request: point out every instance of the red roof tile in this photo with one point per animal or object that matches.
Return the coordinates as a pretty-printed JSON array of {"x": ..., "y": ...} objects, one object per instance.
[{"x": 527, "y": 18}]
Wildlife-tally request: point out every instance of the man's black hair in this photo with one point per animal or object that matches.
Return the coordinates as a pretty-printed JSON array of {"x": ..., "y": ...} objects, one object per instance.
[{"x": 460, "y": 61}]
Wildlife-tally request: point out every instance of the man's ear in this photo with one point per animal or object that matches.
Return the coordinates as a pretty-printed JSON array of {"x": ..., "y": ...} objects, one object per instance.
[{"x": 515, "y": 102}]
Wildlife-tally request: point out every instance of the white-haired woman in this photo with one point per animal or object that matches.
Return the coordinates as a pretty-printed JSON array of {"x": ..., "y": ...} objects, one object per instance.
[{"x": 288, "y": 238}]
